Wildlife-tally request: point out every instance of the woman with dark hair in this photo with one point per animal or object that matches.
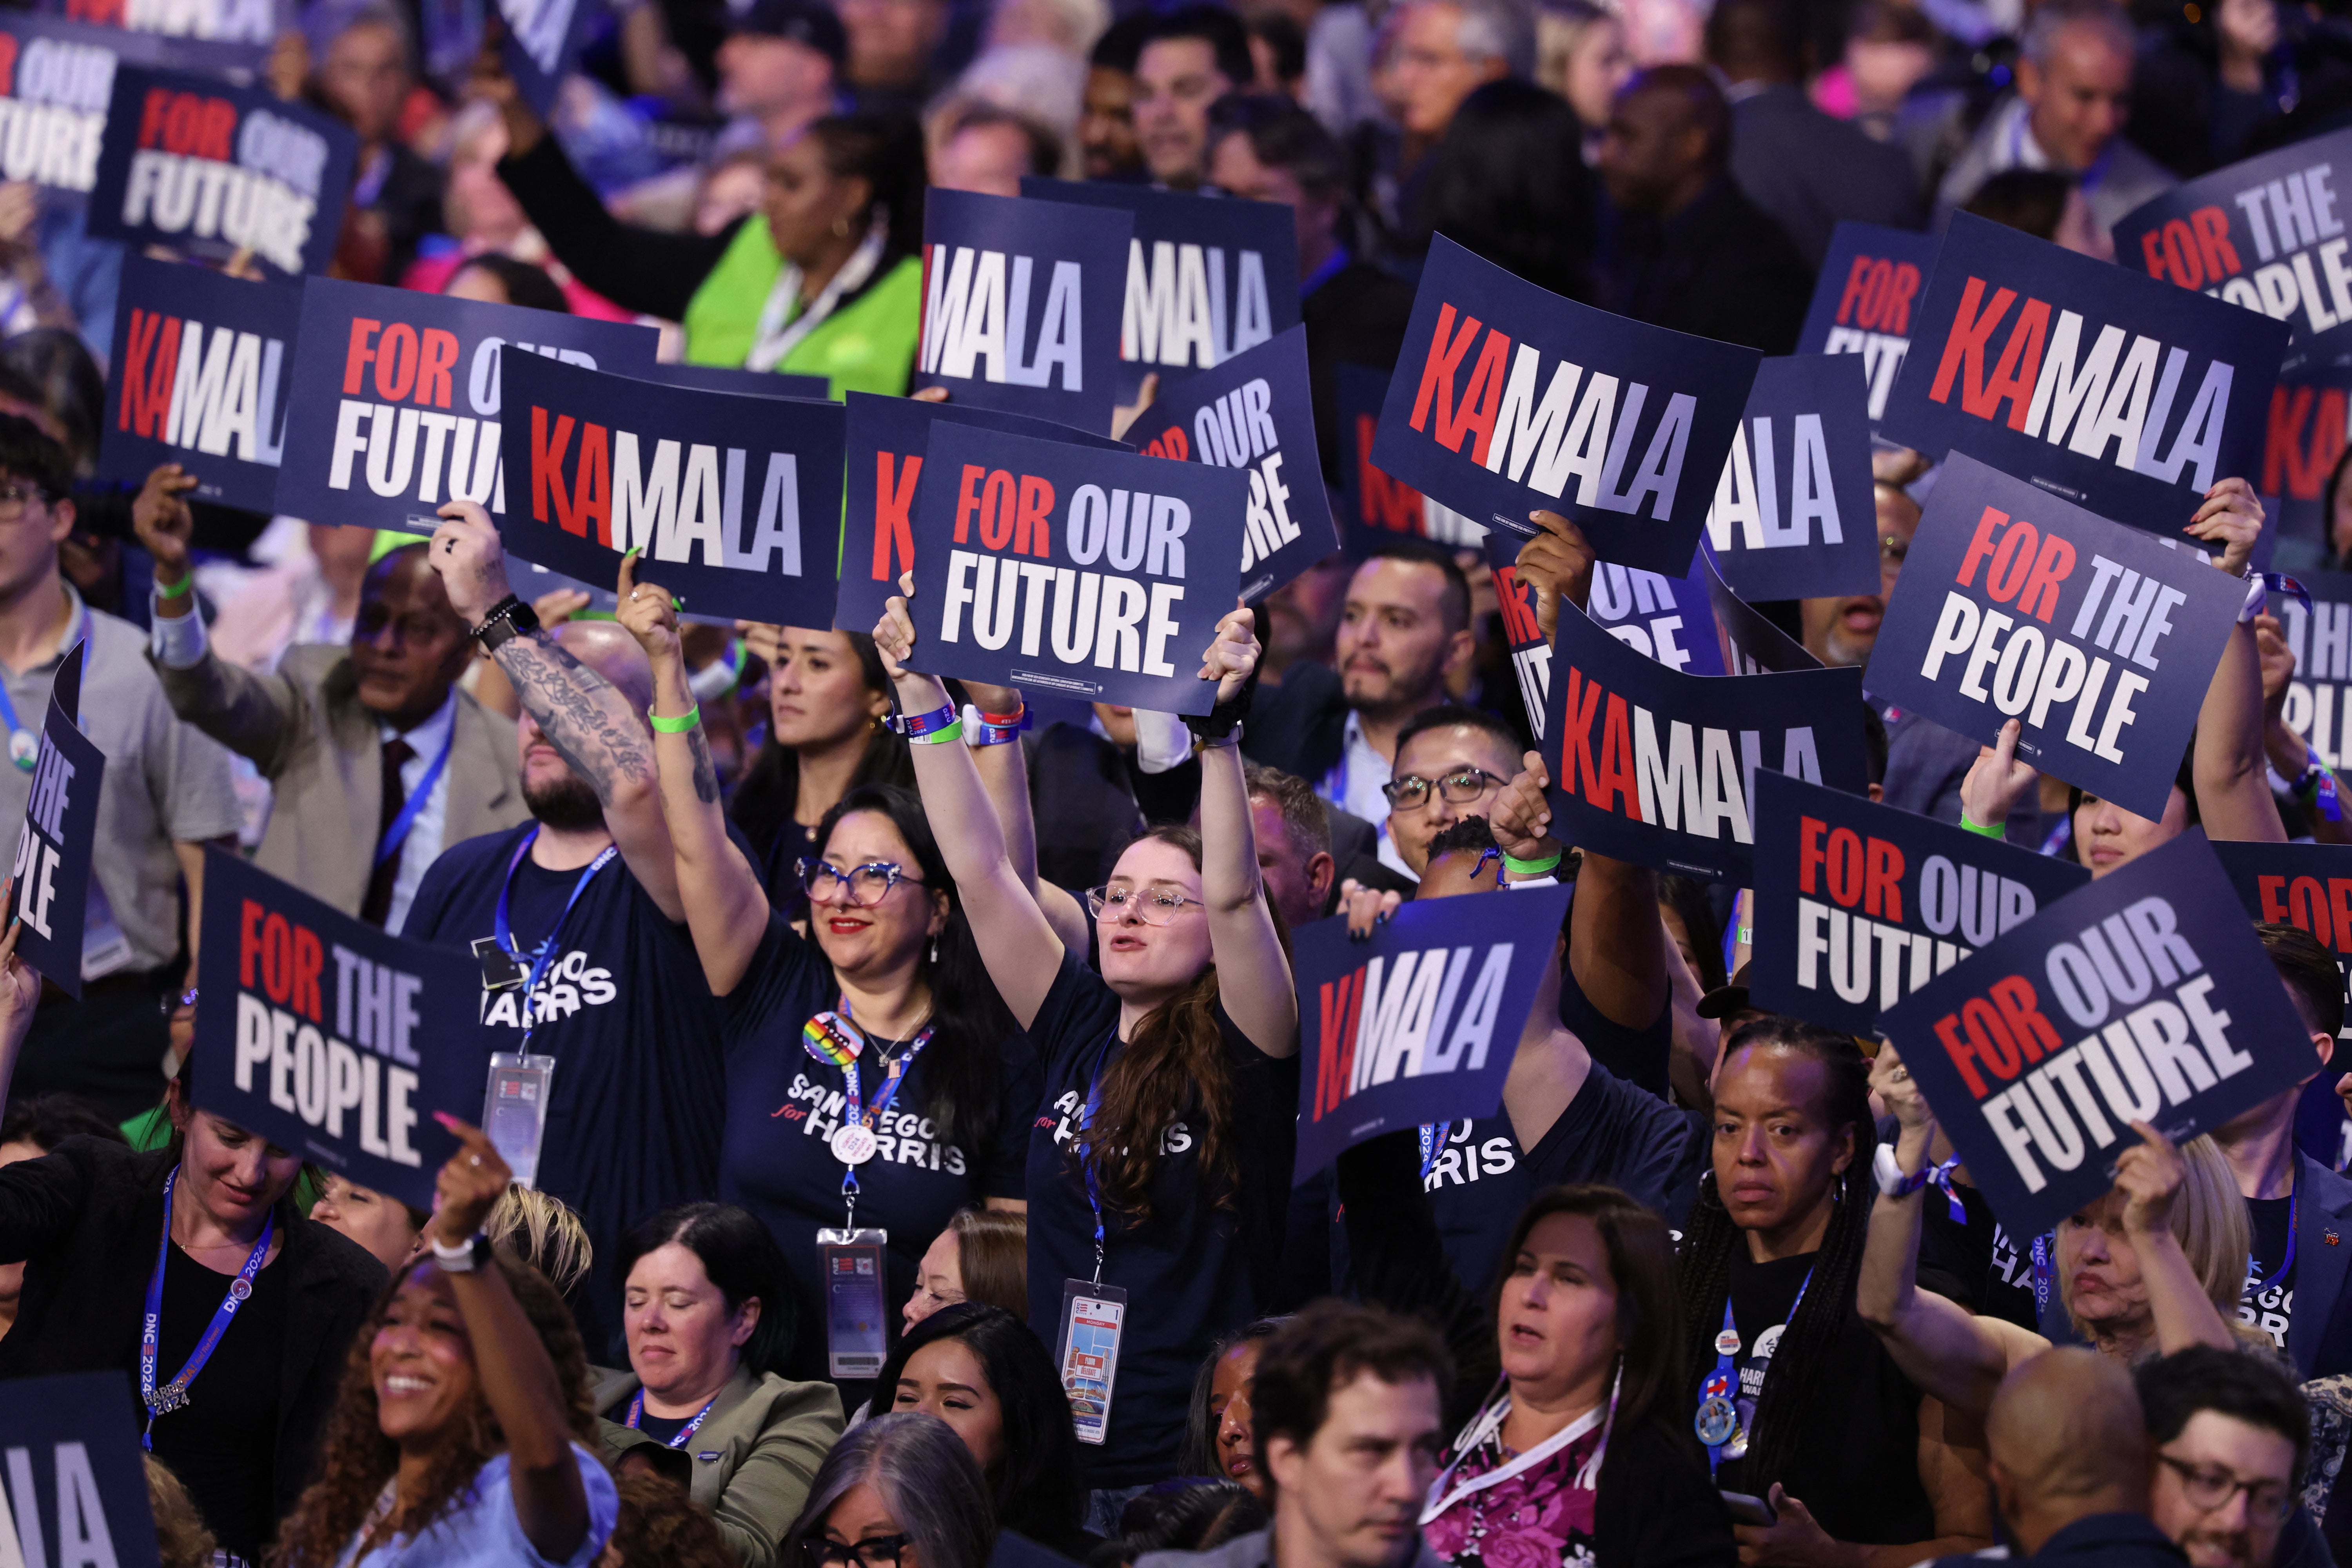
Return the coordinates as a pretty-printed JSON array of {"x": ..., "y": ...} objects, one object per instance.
[
  {"x": 1793, "y": 1396},
  {"x": 902, "y": 1489},
  {"x": 983, "y": 1256},
  {"x": 826, "y": 281},
  {"x": 112, "y": 1237},
  {"x": 1218, "y": 1439},
  {"x": 709, "y": 1315},
  {"x": 2047, "y": 204},
  {"x": 2335, "y": 514},
  {"x": 979, "y": 1369},
  {"x": 1507, "y": 182},
  {"x": 1159, "y": 1154},
  {"x": 875, "y": 1081},
  {"x": 460, "y": 1436},
  {"x": 499, "y": 279},
  {"x": 388, "y": 1228}
]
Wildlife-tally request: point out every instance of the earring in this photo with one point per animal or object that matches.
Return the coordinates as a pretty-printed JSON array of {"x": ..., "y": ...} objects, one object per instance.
[
  {"x": 935, "y": 950},
  {"x": 841, "y": 229}
]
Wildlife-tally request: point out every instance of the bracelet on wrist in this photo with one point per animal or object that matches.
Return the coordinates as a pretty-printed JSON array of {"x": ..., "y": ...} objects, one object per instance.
[
  {"x": 915, "y": 726},
  {"x": 677, "y": 725},
  {"x": 954, "y": 732},
  {"x": 988, "y": 729},
  {"x": 1982, "y": 830},
  {"x": 180, "y": 589},
  {"x": 1543, "y": 867}
]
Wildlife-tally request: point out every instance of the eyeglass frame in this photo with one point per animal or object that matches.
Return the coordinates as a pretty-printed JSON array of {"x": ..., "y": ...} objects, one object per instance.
[
  {"x": 817, "y": 1551},
  {"x": 2270, "y": 1509},
  {"x": 33, "y": 491},
  {"x": 1389, "y": 790},
  {"x": 894, "y": 870},
  {"x": 1097, "y": 902}
]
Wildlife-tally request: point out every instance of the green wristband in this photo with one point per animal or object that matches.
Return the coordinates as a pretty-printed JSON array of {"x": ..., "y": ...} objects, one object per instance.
[
  {"x": 1531, "y": 868},
  {"x": 679, "y": 725},
  {"x": 180, "y": 589},
  {"x": 941, "y": 737},
  {"x": 1996, "y": 831}
]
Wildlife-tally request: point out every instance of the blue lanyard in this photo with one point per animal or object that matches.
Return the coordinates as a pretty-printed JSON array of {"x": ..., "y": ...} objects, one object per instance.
[
  {"x": 678, "y": 1439},
  {"x": 76, "y": 633},
  {"x": 174, "y": 1395},
  {"x": 852, "y": 1100},
  {"x": 1086, "y": 1124},
  {"x": 2287, "y": 1264},
  {"x": 1331, "y": 267},
  {"x": 505, "y": 933},
  {"x": 2041, "y": 1252},
  {"x": 397, "y": 833},
  {"x": 1433, "y": 1139},
  {"x": 1724, "y": 1385}
]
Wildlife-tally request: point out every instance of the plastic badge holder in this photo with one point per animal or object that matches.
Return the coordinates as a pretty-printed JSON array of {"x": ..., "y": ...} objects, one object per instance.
[
  {"x": 514, "y": 1111},
  {"x": 856, "y": 1328},
  {"x": 1092, "y": 1318}
]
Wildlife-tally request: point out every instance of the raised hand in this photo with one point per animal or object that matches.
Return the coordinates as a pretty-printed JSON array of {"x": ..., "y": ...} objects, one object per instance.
[
  {"x": 648, "y": 613},
  {"x": 1557, "y": 564},
  {"x": 894, "y": 634},
  {"x": 1899, "y": 1091},
  {"x": 1233, "y": 654},
  {"x": 1996, "y": 780},
  {"x": 2232, "y": 513},
  {"x": 1366, "y": 907},
  {"x": 1521, "y": 815},
  {"x": 472, "y": 562},
  {"x": 469, "y": 1185},
  {"x": 160, "y": 516},
  {"x": 2149, "y": 1175}
]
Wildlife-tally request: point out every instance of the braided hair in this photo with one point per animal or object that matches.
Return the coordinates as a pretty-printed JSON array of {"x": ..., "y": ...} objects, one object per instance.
[{"x": 1821, "y": 1316}]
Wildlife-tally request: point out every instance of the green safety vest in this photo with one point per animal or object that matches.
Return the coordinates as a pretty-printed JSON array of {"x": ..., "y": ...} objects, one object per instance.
[{"x": 866, "y": 345}]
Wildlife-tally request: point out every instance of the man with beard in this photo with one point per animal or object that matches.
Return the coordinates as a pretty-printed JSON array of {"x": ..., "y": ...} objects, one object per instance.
[
  {"x": 583, "y": 960},
  {"x": 2230, "y": 1434}
]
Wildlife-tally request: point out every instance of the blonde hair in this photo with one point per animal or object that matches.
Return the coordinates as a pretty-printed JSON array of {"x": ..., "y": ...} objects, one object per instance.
[
  {"x": 181, "y": 1539},
  {"x": 2209, "y": 1221},
  {"x": 543, "y": 1233}
]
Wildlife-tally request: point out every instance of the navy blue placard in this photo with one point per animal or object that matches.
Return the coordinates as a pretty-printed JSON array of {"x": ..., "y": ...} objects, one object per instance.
[
  {"x": 1665, "y": 618},
  {"x": 2266, "y": 232},
  {"x": 1207, "y": 277},
  {"x": 886, "y": 439},
  {"x": 1531, "y": 649},
  {"x": 2304, "y": 885},
  {"x": 1021, "y": 305},
  {"x": 1863, "y": 302},
  {"x": 736, "y": 501},
  {"x": 208, "y": 169},
  {"x": 2319, "y": 705},
  {"x": 202, "y": 363},
  {"x": 1659, "y": 768},
  {"x": 2303, "y": 440},
  {"x": 1418, "y": 1022},
  {"x": 743, "y": 382},
  {"x": 1751, "y": 644},
  {"x": 1858, "y": 905},
  {"x": 1036, "y": 567},
  {"x": 543, "y": 40},
  {"x": 60, "y": 838},
  {"x": 396, "y": 406},
  {"x": 57, "y": 79},
  {"x": 1794, "y": 516},
  {"x": 2099, "y": 640},
  {"x": 1508, "y": 399},
  {"x": 2117, "y": 393},
  {"x": 1253, "y": 412},
  {"x": 222, "y": 36},
  {"x": 325, "y": 1035},
  {"x": 75, "y": 1476},
  {"x": 2143, "y": 996}
]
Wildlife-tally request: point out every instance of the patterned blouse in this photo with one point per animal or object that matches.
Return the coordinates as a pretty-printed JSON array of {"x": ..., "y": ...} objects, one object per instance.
[{"x": 1541, "y": 1517}]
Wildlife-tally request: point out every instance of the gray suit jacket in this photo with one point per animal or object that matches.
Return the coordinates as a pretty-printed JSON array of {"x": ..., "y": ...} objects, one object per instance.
[
  {"x": 2123, "y": 178},
  {"x": 302, "y": 726},
  {"x": 754, "y": 1455}
]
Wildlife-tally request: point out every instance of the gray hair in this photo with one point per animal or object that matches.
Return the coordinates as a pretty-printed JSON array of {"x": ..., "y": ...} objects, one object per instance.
[
  {"x": 1501, "y": 31},
  {"x": 927, "y": 1478},
  {"x": 2054, "y": 17},
  {"x": 328, "y": 20}
]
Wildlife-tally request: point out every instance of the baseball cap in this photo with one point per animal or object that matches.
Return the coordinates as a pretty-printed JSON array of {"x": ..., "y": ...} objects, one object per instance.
[
  {"x": 809, "y": 25},
  {"x": 1725, "y": 1000}
]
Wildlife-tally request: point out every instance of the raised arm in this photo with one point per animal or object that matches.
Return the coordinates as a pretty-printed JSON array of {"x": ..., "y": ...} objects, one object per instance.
[
  {"x": 1017, "y": 941},
  {"x": 518, "y": 1377},
  {"x": 1004, "y": 773},
  {"x": 2148, "y": 1178},
  {"x": 2291, "y": 756},
  {"x": 1551, "y": 1064},
  {"x": 594, "y": 724},
  {"x": 725, "y": 905},
  {"x": 2231, "y": 769},
  {"x": 1253, "y": 972}
]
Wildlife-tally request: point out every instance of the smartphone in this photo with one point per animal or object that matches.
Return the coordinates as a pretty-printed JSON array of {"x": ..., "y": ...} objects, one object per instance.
[{"x": 1748, "y": 1510}]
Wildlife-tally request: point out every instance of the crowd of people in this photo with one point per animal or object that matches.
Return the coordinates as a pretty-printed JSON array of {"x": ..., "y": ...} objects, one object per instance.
[{"x": 1013, "y": 1021}]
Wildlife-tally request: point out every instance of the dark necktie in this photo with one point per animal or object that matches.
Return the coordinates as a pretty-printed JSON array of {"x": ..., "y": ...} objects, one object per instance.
[{"x": 377, "y": 906}]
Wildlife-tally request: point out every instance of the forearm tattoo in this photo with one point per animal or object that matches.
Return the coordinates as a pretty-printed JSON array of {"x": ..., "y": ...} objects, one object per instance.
[
  {"x": 583, "y": 715},
  {"x": 705, "y": 774}
]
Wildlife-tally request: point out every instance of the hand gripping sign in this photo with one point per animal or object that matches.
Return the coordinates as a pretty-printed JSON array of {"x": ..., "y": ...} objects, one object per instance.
[
  {"x": 2099, "y": 640},
  {"x": 326, "y": 1036},
  {"x": 1021, "y": 305},
  {"x": 1858, "y": 905},
  {"x": 73, "y": 1474},
  {"x": 1420, "y": 1022},
  {"x": 1253, "y": 412},
  {"x": 2114, "y": 392},
  {"x": 2143, "y": 996},
  {"x": 59, "y": 837},
  {"x": 201, "y": 369},
  {"x": 736, "y": 501},
  {"x": 1659, "y": 768},
  {"x": 1072, "y": 572},
  {"x": 1863, "y": 302},
  {"x": 1208, "y": 277},
  {"x": 397, "y": 401},
  {"x": 210, "y": 169},
  {"x": 886, "y": 439},
  {"x": 1510, "y": 399},
  {"x": 1794, "y": 515},
  {"x": 2266, "y": 232}
]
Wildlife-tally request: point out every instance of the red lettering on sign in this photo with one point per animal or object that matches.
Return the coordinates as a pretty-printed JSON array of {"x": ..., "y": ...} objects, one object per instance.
[
  {"x": 996, "y": 511},
  {"x": 968, "y": 500},
  {"x": 2038, "y": 597},
  {"x": 1964, "y": 346},
  {"x": 1810, "y": 852},
  {"x": 1883, "y": 889},
  {"x": 1963, "y": 1054},
  {"x": 1980, "y": 542},
  {"x": 2013, "y": 561},
  {"x": 592, "y": 488},
  {"x": 894, "y": 536},
  {"x": 1437, "y": 370},
  {"x": 1481, "y": 400},
  {"x": 1035, "y": 534},
  {"x": 1382, "y": 502},
  {"x": 361, "y": 351},
  {"x": 149, "y": 365},
  {"x": 546, "y": 467},
  {"x": 2021, "y": 1009},
  {"x": 1518, "y": 606},
  {"x": 440, "y": 354},
  {"x": 1878, "y": 294},
  {"x": 2019, "y": 367},
  {"x": 2220, "y": 256}
]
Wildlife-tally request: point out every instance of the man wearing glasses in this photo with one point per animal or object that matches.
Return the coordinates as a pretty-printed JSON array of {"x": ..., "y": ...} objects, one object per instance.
[
  {"x": 1451, "y": 763},
  {"x": 2230, "y": 1436}
]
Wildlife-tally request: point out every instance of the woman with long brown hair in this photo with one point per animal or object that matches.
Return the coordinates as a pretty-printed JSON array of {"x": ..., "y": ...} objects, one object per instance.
[
  {"x": 461, "y": 1434},
  {"x": 1158, "y": 1162}
]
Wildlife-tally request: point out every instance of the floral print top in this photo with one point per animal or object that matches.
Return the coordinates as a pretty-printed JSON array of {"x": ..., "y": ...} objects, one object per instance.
[{"x": 1540, "y": 1518}]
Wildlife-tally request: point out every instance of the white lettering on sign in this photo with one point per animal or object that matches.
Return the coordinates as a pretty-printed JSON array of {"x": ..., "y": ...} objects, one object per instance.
[
  {"x": 976, "y": 313},
  {"x": 1175, "y": 311}
]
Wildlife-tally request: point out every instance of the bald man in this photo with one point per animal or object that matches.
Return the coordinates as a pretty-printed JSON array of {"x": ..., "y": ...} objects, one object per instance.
[
  {"x": 581, "y": 959},
  {"x": 2069, "y": 1463}
]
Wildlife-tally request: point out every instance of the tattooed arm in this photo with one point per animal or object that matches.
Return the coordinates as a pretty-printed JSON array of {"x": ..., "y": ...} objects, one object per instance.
[{"x": 569, "y": 698}]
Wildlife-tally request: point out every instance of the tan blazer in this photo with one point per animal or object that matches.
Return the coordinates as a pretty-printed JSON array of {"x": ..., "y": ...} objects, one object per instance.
[
  {"x": 303, "y": 726},
  {"x": 755, "y": 1454}
]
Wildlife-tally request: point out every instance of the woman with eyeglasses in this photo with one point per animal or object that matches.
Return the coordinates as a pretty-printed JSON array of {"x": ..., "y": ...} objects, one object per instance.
[
  {"x": 875, "y": 1080},
  {"x": 901, "y": 1491},
  {"x": 1159, "y": 1155}
]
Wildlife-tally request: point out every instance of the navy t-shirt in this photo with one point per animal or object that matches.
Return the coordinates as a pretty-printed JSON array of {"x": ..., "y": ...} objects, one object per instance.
[
  {"x": 783, "y": 1106},
  {"x": 1194, "y": 1270},
  {"x": 635, "y": 1105}
]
